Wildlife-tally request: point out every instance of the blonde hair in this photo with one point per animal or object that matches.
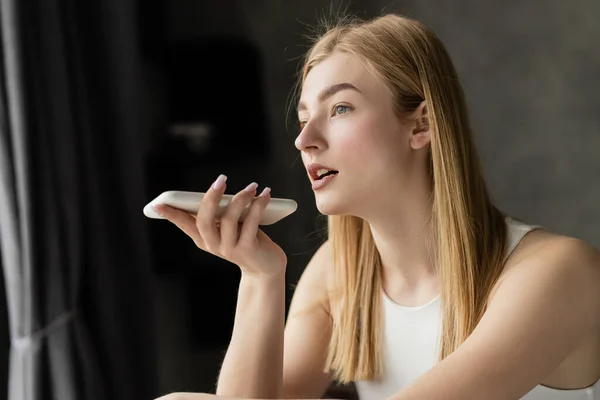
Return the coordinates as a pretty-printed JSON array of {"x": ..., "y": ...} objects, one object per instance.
[{"x": 469, "y": 231}]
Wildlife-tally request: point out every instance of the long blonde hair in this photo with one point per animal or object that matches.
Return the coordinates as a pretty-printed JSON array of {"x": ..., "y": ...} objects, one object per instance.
[{"x": 469, "y": 231}]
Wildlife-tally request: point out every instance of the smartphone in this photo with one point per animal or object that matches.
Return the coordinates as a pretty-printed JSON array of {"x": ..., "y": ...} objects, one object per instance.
[{"x": 276, "y": 210}]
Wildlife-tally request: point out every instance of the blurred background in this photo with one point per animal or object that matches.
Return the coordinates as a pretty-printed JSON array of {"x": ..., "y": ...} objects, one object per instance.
[{"x": 106, "y": 104}]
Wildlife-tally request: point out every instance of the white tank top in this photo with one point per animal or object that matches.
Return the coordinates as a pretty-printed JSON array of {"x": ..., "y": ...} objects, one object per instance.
[{"x": 411, "y": 341}]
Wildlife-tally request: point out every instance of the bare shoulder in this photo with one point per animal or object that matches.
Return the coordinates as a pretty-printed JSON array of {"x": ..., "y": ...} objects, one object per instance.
[
  {"x": 549, "y": 293},
  {"x": 558, "y": 263},
  {"x": 543, "y": 249}
]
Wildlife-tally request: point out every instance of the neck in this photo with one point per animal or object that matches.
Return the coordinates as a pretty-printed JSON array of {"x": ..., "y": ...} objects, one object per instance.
[{"x": 404, "y": 238}]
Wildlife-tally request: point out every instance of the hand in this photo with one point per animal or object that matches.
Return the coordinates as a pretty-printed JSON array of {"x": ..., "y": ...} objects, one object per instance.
[{"x": 240, "y": 243}]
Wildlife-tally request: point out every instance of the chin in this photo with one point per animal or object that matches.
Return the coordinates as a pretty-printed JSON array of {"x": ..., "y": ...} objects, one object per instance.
[{"x": 328, "y": 205}]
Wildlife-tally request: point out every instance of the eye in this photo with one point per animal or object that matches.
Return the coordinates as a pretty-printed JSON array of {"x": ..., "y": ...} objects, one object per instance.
[
  {"x": 302, "y": 124},
  {"x": 341, "y": 109}
]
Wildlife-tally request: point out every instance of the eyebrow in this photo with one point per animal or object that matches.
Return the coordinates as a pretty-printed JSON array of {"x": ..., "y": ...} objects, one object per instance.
[{"x": 330, "y": 91}]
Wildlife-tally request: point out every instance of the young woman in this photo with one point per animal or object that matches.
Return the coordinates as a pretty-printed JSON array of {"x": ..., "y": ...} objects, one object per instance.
[{"x": 424, "y": 289}]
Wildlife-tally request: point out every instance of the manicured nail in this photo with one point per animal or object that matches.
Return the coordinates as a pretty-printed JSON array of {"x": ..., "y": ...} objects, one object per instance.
[
  {"x": 220, "y": 182},
  {"x": 265, "y": 192},
  {"x": 157, "y": 209},
  {"x": 251, "y": 187}
]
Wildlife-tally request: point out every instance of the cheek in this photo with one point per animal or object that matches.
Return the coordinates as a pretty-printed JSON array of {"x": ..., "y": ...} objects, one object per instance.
[
  {"x": 356, "y": 138},
  {"x": 352, "y": 144},
  {"x": 362, "y": 152},
  {"x": 372, "y": 142}
]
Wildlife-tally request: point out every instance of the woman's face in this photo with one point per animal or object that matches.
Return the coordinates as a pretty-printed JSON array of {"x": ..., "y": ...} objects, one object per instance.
[{"x": 349, "y": 127}]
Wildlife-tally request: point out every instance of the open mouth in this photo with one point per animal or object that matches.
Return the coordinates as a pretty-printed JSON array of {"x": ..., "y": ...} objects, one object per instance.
[{"x": 322, "y": 173}]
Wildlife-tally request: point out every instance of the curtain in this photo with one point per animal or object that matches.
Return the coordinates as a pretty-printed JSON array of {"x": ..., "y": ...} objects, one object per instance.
[{"x": 72, "y": 235}]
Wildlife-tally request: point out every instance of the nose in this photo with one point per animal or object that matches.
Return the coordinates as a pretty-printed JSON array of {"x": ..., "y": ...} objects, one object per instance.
[{"x": 310, "y": 139}]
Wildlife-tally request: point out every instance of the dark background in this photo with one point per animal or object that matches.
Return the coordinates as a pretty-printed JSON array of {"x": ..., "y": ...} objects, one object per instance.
[{"x": 531, "y": 71}]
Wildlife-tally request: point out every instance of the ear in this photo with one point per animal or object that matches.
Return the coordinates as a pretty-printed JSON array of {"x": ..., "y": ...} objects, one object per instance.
[{"x": 420, "y": 136}]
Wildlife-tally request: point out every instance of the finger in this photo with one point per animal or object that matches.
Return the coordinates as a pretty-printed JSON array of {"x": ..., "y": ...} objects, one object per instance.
[
  {"x": 182, "y": 220},
  {"x": 230, "y": 222},
  {"x": 207, "y": 214},
  {"x": 250, "y": 226}
]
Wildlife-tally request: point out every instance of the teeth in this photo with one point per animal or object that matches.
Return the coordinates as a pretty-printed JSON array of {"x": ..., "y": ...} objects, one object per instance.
[{"x": 322, "y": 172}]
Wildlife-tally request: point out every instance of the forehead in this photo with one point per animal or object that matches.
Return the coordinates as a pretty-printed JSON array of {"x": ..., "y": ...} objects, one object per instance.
[{"x": 339, "y": 67}]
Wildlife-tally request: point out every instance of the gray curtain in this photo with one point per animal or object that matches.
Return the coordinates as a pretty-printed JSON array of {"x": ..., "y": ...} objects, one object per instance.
[{"x": 74, "y": 253}]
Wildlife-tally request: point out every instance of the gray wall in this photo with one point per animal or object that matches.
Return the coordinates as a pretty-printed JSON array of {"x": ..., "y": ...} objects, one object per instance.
[{"x": 531, "y": 70}]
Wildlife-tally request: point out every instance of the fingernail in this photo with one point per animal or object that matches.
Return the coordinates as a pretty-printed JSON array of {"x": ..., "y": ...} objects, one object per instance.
[
  {"x": 251, "y": 187},
  {"x": 158, "y": 210},
  {"x": 265, "y": 192},
  {"x": 220, "y": 182}
]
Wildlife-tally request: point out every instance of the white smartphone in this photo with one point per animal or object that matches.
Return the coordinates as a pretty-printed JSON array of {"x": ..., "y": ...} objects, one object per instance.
[{"x": 276, "y": 210}]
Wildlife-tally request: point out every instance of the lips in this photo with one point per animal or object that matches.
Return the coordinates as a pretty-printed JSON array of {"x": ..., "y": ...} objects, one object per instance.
[
  {"x": 321, "y": 183},
  {"x": 318, "y": 171}
]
